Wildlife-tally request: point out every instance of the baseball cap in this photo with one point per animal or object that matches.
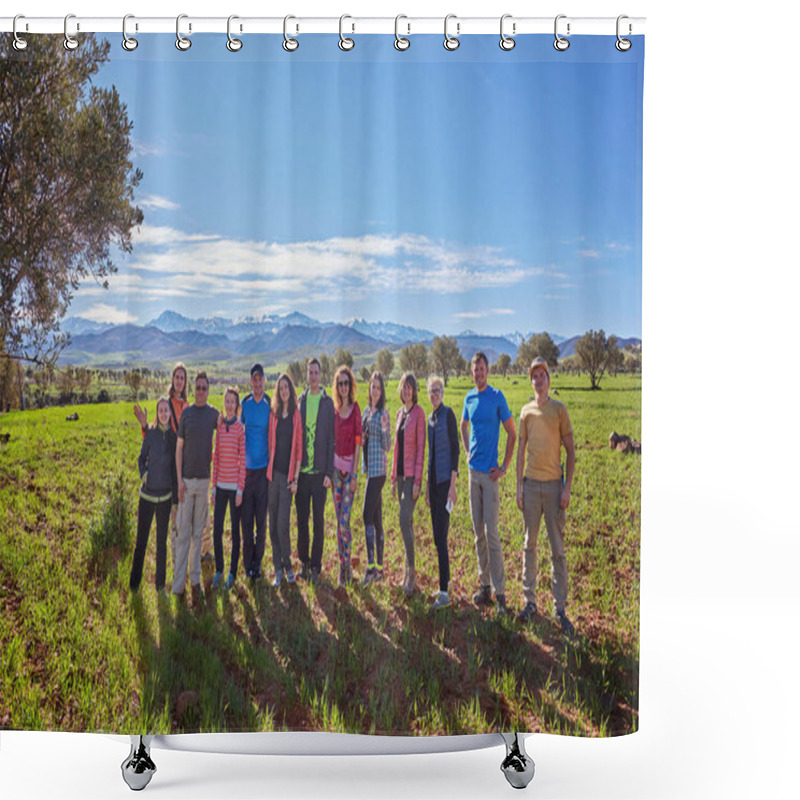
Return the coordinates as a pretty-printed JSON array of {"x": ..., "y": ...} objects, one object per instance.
[
  {"x": 539, "y": 362},
  {"x": 256, "y": 369}
]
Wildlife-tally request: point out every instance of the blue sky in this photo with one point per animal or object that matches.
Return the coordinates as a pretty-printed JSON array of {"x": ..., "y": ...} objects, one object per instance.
[{"x": 477, "y": 189}]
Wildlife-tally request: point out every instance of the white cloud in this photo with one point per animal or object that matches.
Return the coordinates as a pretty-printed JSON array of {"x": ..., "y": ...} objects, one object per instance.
[
  {"x": 622, "y": 248},
  {"x": 157, "y": 202},
  {"x": 144, "y": 149},
  {"x": 492, "y": 312},
  {"x": 588, "y": 253},
  {"x": 102, "y": 312}
]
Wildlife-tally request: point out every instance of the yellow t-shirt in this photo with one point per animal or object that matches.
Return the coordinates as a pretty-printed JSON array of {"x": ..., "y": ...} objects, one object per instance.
[{"x": 540, "y": 432}]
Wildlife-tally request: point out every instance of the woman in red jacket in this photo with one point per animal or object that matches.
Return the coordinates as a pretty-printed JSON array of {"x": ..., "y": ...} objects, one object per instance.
[{"x": 407, "y": 467}]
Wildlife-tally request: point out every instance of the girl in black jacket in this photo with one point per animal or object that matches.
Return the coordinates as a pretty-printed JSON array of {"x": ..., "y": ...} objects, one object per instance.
[{"x": 158, "y": 493}]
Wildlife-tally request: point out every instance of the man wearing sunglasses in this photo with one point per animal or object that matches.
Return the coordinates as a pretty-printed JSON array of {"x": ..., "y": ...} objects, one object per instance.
[{"x": 193, "y": 463}]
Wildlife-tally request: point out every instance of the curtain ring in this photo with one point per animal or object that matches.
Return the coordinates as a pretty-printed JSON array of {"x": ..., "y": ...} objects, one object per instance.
[
  {"x": 623, "y": 45},
  {"x": 400, "y": 42},
  {"x": 19, "y": 43},
  {"x": 181, "y": 42},
  {"x": 561, "y": 44},
  {"x": 233, "y": 44},
  {"x": 506, "y": 42},
  {"x": 70, "y": 42},
  {"x": 289, "y": 44},
  {"x": 450, "y": 42},
  {"x": 128, "y": 42},
  {"x": 345, "y": 43}
]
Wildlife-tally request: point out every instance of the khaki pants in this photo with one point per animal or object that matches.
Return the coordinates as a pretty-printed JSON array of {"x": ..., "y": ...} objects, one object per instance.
[
  {"x": 484, "y": 507},
  {"x": 192, "y": 515},
  {"x": 543, "y": 498}
]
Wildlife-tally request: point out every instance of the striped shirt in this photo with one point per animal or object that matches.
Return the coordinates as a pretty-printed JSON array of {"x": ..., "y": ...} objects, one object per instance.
[
  {"x": 229, "y": 456},
  {"x": 377, "y": 441}
]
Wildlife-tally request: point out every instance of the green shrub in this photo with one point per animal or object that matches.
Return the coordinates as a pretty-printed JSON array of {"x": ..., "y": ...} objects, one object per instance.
[{"x": 112, "y": 525}]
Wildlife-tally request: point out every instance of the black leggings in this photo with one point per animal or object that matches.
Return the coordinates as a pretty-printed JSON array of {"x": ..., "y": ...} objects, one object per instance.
[
  {"x": 225, "y": 497},
  {"x": 373, "y": 519},
  {"x": 440, "y": 521},
  {"x": 147, "y": 509}
]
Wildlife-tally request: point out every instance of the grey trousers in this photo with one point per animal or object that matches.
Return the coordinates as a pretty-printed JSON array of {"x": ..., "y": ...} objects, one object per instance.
[
  {"x": 192, "y": 516},
  {"x": 484, "y": 507},
  {"x": 280, "y": 510},
  {"x": 543, "y": 498},
  {"x": 405, "y": 490}
]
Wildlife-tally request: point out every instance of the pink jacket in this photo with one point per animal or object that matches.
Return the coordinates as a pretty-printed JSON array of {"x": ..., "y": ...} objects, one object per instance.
[
  {"x": 297, "y": 443},
  {"x": 413, "y": 444}
]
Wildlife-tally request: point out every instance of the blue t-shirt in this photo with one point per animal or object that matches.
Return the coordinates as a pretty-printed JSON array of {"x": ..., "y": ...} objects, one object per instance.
[
  {"x": 255, "y": 417},
  {"x": 485, "y": 411}
]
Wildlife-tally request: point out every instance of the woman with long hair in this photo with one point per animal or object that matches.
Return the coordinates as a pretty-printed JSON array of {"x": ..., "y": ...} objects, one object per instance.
[
  {"x": 407, "y": 467},
  {"x": 377, "y": 441},
  {"x": 346, "y": 452},
  {"x": 283, "y": 471}
]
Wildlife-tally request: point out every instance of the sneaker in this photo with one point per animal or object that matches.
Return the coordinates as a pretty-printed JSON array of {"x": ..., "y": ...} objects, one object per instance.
[
  {"x": 566, "y": 625},
  {"x": 369, "y": 576},
  {"x": 528, "y": 613},
  {"x": 197, "y": 595},
  {"x": 442, "y": 600},
  {"x": 502, "y": 608},
  {"x": 216, "y": 581},
  {"x": 314, "y": 576},
  {"x": 229, "y": 581},
  {"x": 278, "y": 578},
  {"x": 343, "y": 574},
  {"x": 483, "y": 597},
  {"x": 206, "y": 557},
  {"x": 290, "y": 577},
  {"x": 378, "y": 576},
  {"x": 305, "y": 573}
]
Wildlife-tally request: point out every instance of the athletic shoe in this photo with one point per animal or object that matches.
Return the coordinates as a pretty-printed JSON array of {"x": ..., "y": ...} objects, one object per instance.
[
  {"x": 206, "y": 557},
  {"x": 378, "y": 577},
  {"x": 566, "y": 625},
  {"x": 483, "y": 597},
  {"x": 217, "y": 579},
  {"x": 278, "y": 578},
  {"x": 369, "y": 576},
  {"x": 314, "y": 576},
  {"x": 442, "y": 600},
  {"x": 528, "y": 613},
  {"x": 290, "y": 577},
  {"x": 229, "y": 581},
  {"x": 502, "y": 608},
  {"x": 305, "y": 573}
]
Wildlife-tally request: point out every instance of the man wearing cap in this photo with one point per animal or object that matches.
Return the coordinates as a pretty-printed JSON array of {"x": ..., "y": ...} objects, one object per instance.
[
  {"x": 255, "y": 417},
  {"x": 485, "y": 411},
  {"x": 543, "y": 489}
]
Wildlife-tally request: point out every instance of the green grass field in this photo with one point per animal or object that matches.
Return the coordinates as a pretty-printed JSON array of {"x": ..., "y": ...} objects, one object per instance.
[{"x": 79, "y": 653}]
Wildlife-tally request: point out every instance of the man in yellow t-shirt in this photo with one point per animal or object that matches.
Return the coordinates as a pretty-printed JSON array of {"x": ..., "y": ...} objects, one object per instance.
[{"x": 542, "y": 489}]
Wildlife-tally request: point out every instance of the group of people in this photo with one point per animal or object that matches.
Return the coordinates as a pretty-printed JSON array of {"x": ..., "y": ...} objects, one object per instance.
[{"x": 260, "y": 455}]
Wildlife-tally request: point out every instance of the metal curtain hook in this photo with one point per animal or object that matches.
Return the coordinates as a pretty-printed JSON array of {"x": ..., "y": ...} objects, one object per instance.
[
  {"x": 561, "y": 43},
  {"x": 623, "y": 45},
  {"x": 450, "y": 42},
  {"x": 70, "y": 42},
  {"x": 506, "y": 42},
  {"x": 289, "y": 44},
  {"x": 128, "y": 42},
  {"x": 400, "y": 42},
  {"x": 181, "y": 42},
  {"x": 233, "y": 44},
  {"x": 19, "y": 43},
  {"x": 345, "y": 43}
]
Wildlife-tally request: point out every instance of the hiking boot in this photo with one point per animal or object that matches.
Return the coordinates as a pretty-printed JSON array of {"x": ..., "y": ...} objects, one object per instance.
[
  {"x": 442, "y": 600},
  {"x": 278, "y": 578},
  {"x": 305, "y": 572},
  {"x": 502, "y": 608},
  {"x": 229, "y": 581},
  {"x": 290, "y": 577},
  {"x": 563, "y": 620},
  {"x": 528, "y": 613},
  {"x": 217, "y": 578},
  {"x": 369, "y": 576},
  {"x": 483, "y": 597},
  {"x": 197, "y": 595}
]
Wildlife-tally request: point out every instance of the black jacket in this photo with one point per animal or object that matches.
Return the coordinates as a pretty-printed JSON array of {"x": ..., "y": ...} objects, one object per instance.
[
  {"x": 157, "y": 461},
  {"x": 323, "y": 439}
]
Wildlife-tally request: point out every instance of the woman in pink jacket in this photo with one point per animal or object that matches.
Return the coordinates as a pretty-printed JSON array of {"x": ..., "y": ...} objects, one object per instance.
[{"x": 407, "y": 467}]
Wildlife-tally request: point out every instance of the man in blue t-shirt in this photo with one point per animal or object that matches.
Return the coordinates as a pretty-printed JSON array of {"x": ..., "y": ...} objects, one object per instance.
[
  {"x": 255, "y": 417},
  {"x": 485, "y": 410}
]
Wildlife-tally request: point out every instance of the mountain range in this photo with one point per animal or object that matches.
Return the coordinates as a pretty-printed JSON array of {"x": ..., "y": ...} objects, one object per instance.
[{"x": 271, "y": 338}]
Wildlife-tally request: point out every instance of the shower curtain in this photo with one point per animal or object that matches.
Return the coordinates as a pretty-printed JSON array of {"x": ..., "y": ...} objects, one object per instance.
[{"x": 321, "y": 385}]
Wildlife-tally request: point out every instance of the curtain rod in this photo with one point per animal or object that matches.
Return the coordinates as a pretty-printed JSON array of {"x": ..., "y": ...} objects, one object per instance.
[{"x": 513, "y": 26}]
